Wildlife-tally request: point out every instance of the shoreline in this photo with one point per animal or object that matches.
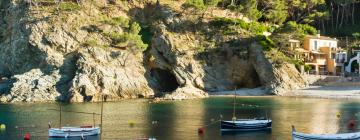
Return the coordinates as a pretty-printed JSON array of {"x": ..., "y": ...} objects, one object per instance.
[
  {"x": 328, "y": 92},
  {"x": 325, "y": 91},
  {"x": 340, "y": 91}
]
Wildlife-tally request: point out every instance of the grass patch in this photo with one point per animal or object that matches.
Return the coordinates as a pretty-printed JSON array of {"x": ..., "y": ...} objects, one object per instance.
[
  {"x": 118, "y": 21},
  {"x": 91, "y": 42},
  {"x": 69, "y": 6}
]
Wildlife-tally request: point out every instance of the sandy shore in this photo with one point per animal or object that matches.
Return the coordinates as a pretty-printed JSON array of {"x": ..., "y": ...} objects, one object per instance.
[
  {"x": 333, "y": 92},
  {"x": 241, "y": 92},
  {"x": 338, "y": 92}
]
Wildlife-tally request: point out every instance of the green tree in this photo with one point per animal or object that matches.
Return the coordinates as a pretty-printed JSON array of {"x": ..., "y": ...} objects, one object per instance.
[
  {"x": 301, "y": 9},
  {"x": 249, "y": 9},
  {"x": 277, "y": 13}
]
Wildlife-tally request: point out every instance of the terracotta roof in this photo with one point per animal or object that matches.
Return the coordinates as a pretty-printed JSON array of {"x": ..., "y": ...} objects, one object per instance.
[{"x": 321, "y": 37}]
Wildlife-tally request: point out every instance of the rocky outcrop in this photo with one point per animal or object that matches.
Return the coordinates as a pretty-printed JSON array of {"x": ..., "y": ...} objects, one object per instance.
[
  {"x": 49, "y": 59},
  {"x": 180, "y": 64},
  {"x": 39, "y": 87},
  {"x": 277, "y": 78},
  {"x": 114, "y": 73},
  {"x": 71, "y": 56}
]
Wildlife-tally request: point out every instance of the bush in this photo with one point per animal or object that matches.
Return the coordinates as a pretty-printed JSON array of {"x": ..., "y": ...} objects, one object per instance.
[
  {"x": 253, "y": 27},
  {"x": 307, "y": 29},
  {"x": 198, "y": 4},
  {"x": 307, "y": 68},
  {"x": 135, "y": 28},
  {"x": 300, "y": 29},
  {"x": 127, "y": 39},
  {"x": 266, "y": 42},
  {"x": 118, "y": 21}
]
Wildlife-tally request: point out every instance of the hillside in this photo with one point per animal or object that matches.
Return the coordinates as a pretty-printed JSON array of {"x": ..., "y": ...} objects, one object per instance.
[{"x": 76, "y": 52}]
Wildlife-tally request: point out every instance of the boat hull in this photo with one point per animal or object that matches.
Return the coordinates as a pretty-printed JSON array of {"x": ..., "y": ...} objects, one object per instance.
[
  {"x": 245, "y": 125},
  {"x": 344, "y": 136},
  {"x": 66, "y": 132}
]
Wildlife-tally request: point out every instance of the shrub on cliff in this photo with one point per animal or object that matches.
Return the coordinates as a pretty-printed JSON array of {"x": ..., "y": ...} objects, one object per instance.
[
  {"x": 265, "y": 41},
  {"x": 252, "y": 27},
  {"x": 117, "y": 21},
  {"x": 297, "y": 29},
  {"x": 198, "y": 4},
  {"x": 130, "y": 37}
]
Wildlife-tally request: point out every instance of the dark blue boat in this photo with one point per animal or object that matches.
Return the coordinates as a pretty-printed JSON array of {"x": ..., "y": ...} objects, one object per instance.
[{"x": 245, "y": 125}]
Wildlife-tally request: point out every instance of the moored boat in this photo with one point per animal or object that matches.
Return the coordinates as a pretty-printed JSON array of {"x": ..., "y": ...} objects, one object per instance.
[
  {"x": 246, "y": 125},
  {"x": 65, "y": 132},
  {"x": 81, "y": 131},
  {"x": 343, "y": 136}
]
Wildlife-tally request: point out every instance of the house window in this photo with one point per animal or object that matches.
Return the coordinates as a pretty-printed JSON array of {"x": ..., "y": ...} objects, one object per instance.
[{"x": 315, "y": 45}]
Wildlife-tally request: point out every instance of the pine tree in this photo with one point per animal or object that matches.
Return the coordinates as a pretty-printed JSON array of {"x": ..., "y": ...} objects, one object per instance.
[{"x": 277, "y": 13}]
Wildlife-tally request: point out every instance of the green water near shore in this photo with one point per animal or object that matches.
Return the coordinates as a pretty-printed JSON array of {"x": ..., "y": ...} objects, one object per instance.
[{"x": 179, "y": 120}]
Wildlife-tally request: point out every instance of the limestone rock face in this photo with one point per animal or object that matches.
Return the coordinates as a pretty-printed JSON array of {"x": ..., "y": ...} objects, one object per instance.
[
  {"x": 180, "y": 64},
  {"x": 45, "y": 59},
  {"x": 38, "y": 87},
  {"x": 70, "y": 56},
  {"x": 113, "y": 73},
  {"x": 276, "y": 78}
]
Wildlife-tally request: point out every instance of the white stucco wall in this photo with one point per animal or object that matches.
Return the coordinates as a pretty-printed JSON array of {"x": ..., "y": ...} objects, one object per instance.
[{"x": 322, "y": 43}]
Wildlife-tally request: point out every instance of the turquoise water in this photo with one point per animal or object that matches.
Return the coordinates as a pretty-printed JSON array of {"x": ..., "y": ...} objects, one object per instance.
[{"x": 179, "y": 120}]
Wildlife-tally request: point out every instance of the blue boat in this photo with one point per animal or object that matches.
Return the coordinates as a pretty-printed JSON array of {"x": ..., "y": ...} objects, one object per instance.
[{"x": 245, "y": 125}]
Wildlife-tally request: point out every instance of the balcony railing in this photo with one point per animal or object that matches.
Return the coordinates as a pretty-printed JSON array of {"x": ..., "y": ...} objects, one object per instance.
[{"x": 340, "y": 60}]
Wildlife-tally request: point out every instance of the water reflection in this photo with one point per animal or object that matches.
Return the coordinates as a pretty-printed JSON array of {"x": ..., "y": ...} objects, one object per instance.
[{"x": 179, "y": 120}]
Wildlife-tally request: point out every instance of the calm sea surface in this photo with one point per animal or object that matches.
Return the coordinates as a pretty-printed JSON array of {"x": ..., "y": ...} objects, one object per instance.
[{"x": 179, "y": 120}]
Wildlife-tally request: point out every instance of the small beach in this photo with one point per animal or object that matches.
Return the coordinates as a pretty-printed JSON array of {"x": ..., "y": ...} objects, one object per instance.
[
  {"x": 336, "y": 92},
  {"x": 340, "y": 90}
]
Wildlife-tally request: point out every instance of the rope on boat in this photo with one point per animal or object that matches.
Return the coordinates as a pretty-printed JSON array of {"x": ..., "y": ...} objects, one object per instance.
[
  {"x": 76, "y": 112},
  {"x": 201, "y": 130},
  {"x": 212, "y": 123}
]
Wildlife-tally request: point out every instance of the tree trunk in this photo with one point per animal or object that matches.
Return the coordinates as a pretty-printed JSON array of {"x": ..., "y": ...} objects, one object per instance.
[
  {"x": 323, "y": 26},
  {"x": 332, "y": 16},
  {"x": 352, "y": 14},
  {"x": 337, "y": 17},
  {"x": 342, "y": 15}
]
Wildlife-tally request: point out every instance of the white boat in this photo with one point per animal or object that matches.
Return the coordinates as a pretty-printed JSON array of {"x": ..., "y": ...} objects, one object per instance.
[
  {"x": 66, "y": 132},
  {"x": 82, "y": 131},
  {"x": 343, "y": 136}
]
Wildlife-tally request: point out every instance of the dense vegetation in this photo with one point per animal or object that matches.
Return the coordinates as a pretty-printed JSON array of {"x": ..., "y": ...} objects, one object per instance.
[{"x": 333, "y": 17}]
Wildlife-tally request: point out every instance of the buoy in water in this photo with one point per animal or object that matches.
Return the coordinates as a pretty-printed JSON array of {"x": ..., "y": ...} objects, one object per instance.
[
  {"x": 352, "y": 124},
  {"x": 27, "y": 136},
  {"x": 338, "y": 115},
  {"x": 131, "y": 123},
  {"x": 2, "y": 126},
  {"x": 201, "y": 130}
]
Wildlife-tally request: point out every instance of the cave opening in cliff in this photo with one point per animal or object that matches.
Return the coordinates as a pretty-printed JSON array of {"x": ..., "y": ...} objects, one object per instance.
[
  {"x": 250, "y": 80},
  {"x": 166, "y": 81}
]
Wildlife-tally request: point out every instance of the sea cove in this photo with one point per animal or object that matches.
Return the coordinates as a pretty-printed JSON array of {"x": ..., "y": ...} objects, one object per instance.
[{"x": 179, "y": 120}]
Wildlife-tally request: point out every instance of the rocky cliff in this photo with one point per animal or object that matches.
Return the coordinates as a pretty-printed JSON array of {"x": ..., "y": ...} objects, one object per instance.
[{"x": 78, "y": 52}]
